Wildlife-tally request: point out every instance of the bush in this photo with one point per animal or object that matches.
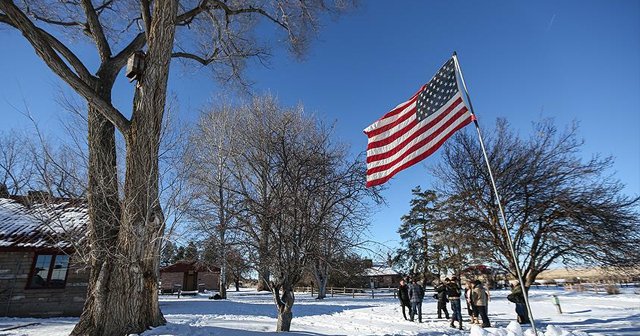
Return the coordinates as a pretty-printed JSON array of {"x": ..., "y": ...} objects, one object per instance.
[{"x": 612, "y": 289}]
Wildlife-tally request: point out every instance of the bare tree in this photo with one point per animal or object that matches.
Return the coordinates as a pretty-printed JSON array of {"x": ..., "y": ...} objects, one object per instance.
[
  {"x": 342, "y": 206},
  {"x": 297, "y": 190},
  {"x": 214, "y": 205},
  {"x": 559, "y": 208},
  {"x": 16, "y": 165},
  {"x": 125, "y": 233}
]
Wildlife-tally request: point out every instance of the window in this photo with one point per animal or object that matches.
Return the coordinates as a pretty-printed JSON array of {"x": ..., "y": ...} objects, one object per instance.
[{"x": 49, "y": 271}]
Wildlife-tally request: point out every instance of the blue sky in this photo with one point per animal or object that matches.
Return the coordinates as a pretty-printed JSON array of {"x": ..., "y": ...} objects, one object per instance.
[{"x": 569, "y": 60}]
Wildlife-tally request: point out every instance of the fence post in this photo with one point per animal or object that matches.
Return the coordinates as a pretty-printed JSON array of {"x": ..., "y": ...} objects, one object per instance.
[
  {"x": 372, "y": 296},
  {"x": 331, "y": 291},
  {"x": 353, "y": 293},
  {"x": 556, "y": 302},
  {"x": 311, "y": 290}
]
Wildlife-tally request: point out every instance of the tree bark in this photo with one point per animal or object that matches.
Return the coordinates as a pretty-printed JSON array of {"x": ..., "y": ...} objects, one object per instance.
[
  {"x": 263, "y": 249},
  {"x": 321, "y": 275},
  {"x": 284, "y": 303},
  {"x": 123, "y": 286},
  {"x": 104, "y": 215}
]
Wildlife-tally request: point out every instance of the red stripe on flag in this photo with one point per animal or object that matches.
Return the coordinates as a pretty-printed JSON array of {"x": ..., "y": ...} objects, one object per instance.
[
  {"x": 399, "y": 134},
  {"x": 417, "y": 158},
  {"x": 419, "y": 144},
  {"x": 395, "y": 111},
  {"x": 393, "y": 137},
  {"x": 395, "y": 123}
]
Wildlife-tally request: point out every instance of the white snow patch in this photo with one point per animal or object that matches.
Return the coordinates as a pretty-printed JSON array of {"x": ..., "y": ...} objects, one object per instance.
[{"x": 248, "y": 313}]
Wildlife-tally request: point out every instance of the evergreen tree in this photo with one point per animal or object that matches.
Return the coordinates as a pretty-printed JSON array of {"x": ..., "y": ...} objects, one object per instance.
[
  {"x": 179, "y": 254},
  {"x": 418, "y": 255},
  {"x": 168, "y": 253},
  {"x": 191, "y": 252}
]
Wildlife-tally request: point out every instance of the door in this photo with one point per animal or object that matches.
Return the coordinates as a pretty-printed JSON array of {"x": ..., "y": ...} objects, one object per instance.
[{"x": 190, "y": 281}]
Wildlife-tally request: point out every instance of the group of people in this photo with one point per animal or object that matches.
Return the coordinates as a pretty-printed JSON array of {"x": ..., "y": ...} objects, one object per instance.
[{"x": 411, "y": 295}]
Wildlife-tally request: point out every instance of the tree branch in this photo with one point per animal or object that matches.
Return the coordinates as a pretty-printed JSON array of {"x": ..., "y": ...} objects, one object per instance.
[
  {"x": 75, "y": 62},
  {"x": 188, "y": 16},
  {"x": 95, "y": 28},
  {"x": 203, "y": 61},
  {"x": 55, "y": 22},
  {"x": 145, "y": 10},
  {"x": 43, "y": 48}
]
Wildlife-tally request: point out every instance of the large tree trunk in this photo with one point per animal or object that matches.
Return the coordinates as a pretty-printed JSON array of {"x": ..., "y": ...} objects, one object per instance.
[
  {"x": 284, "y": 304},
  {"x": 263, "y": 250},
  {"x": 530, "y": 277},
  {"x": 321, "y": 275},
  {"x": 104, "y": 216},
  {"x": 123, "y": 286}
]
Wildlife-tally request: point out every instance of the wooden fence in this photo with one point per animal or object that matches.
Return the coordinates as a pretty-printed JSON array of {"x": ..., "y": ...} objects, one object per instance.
[
  {"x": 352, "y": 292},
  {"x": 355, "y": 292}
]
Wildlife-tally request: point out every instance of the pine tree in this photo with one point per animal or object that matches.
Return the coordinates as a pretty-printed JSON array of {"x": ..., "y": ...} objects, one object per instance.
[
  {"x": 168, "y": 253},
  {"x": 179, "y": 254},
  {"x": 418, "y": 255},
  {"x": 191, "y": 252}
]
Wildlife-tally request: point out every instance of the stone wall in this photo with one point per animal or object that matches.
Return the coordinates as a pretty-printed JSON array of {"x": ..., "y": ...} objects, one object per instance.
[{"x": 16, "y": 300}]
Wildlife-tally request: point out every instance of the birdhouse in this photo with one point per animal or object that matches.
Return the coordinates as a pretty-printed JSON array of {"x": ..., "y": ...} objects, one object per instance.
[{"x": 135, "y": 66}]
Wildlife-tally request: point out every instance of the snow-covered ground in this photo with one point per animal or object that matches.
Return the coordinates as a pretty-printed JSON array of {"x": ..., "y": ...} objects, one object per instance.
[{"x": 251, "y": 313}]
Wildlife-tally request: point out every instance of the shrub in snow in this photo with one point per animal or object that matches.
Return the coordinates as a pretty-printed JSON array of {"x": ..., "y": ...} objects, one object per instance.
[{"x": 612, "y": 289}]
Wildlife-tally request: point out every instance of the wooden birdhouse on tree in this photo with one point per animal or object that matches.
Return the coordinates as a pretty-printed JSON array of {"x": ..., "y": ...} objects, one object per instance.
[{"x": 135, "y": 66}]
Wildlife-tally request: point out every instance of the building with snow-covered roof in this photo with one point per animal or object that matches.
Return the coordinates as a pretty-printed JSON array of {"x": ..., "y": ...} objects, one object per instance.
[
  {"x": 381, "y": 275},
  {"x": 40, "y": 273}
]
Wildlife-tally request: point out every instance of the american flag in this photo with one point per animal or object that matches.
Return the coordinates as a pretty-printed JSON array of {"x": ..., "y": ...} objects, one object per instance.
[{"x": 417, "y": 127}]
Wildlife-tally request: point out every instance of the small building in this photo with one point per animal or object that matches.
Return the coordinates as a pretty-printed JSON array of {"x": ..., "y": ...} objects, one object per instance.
[
  {"x": 40, "y": 274},
  {"x": 380, "y": 275},
  {"x": 189, "y": 276}
]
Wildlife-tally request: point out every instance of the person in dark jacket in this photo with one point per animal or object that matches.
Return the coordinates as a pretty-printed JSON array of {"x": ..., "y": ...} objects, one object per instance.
[
  {"x": 517, "y": 297},
  {"x": 416, "y": 293},
  {"x": 441, "y": 296},
  {"x": 453, "y": 294},
  {"x": 403, "y": 295}
]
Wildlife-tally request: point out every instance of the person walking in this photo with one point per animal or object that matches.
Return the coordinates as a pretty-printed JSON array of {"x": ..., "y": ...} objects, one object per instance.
[
  {"x": 403, "y": 295},
  {"x": 480, "y": 298},
  {"x": 416, "y": 294},
  {"x": 517, "y": 297},
  {"x": 453, "y": 294},
  {"x": 441, "y": 296},
  {"x": 471, "y": 308}
]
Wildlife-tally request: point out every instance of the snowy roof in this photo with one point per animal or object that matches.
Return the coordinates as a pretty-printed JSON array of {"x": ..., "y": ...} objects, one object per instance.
[
  {"x": 380, "y": 269},
  {"x": 50, "y": 223}
]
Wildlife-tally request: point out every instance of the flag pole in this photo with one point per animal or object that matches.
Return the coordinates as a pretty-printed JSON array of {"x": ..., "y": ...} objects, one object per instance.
[{"x": 495, "y": 190}]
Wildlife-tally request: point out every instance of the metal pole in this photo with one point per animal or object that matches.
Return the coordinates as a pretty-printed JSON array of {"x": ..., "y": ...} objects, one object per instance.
[{"x": 495, "y": 190}]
